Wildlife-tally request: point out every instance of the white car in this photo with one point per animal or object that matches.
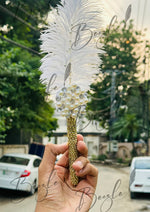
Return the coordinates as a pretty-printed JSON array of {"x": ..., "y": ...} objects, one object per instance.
[
  {"x": 139, "y": 176},
  {"x": 19, "y": 172}
]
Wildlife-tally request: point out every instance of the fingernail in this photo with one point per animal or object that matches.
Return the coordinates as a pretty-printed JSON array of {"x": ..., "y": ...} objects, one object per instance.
[
  {"x": 66, "y": 143},
  {"x": 79, "y": 164},
  {"x": 81, "y": 171}
]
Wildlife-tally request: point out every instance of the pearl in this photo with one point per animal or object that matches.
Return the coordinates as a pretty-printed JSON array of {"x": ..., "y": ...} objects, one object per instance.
[
  {"x": 64, "y": 114},
  {"x": 67, "y": 105},
  {"x": 76, "y": 104},
  {"x": 61, "y": 93},
  {"x": 73, "y": 115},
  {"x": 76, "y": 110},
  {"x": 69, "y": 93},
  {"x": 58, "y": 104},
  {"x": 71, "y": 107}
]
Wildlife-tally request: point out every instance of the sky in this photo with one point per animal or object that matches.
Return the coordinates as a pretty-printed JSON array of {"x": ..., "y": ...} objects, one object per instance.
[
  {"x": 140, "y": 12},
  {"x": 141, "y": 18}
]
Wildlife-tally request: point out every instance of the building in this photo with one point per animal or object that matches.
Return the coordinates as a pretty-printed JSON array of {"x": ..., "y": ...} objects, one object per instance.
[{"x": 93, "y": 134}]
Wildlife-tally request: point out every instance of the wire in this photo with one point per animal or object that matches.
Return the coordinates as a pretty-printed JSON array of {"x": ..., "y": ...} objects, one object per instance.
[
  {"x": 99, "y": 99},
  {"x": 23, "y": 10},
  {"x": 17, "y": 17},
  {"x": 145, "y": 4},
  {"x": 20, "y": 45},
  {"x": 30, "y": 16},
  {"x": 138, "y": 12}
]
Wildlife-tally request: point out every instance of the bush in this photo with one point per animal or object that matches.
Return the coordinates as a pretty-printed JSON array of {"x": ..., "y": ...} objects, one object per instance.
[
  {"x": 119, "y": 160},
  {"x": 102, "y": 157},
  {"x": 94, "y": 157}
]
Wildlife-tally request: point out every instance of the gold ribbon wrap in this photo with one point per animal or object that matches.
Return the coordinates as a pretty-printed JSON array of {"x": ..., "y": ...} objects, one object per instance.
[{"x": 73, "y": 153}]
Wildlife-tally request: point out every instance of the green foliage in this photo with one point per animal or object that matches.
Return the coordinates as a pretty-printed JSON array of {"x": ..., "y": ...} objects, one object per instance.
[
  {"x": 102, "y": 157},
  {"x": 120, "y": 160},
  {"x": 94, "y": 157},
  {"x": 127, "y": 126},
  {"x": 134, "y": 153},
  {"x": 24, "y": 94},
  {"x": 23, "y": 102},
  {"x": 33, "y": 14},
  {"x": 120, "y": 46}
]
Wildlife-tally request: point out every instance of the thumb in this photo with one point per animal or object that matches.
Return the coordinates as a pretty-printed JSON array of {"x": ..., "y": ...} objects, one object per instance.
[{"x": 50, "y": 153}]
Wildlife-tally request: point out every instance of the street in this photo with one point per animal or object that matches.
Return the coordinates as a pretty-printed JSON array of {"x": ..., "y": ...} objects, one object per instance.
[{"x": 111, "y": 195}]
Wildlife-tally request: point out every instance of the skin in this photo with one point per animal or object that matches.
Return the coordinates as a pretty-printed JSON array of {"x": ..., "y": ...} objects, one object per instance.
[{"x": 55, "y": 192}]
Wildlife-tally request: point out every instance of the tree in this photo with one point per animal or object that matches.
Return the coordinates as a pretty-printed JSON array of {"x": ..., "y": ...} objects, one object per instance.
[
  {"x": 127, "y": 127},
  {"x": 23, "y": 102},
  {"x": 110, "y": 91}
]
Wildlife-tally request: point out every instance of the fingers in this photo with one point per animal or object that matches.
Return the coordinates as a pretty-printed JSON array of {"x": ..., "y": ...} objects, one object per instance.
[
  {"x": 89, "y": 169},
  {"x": 50, "y": 153},
  {"x": 84, "y": 169},
  {"x": 62, "y": 172},
  {"x": 80, "y": 163},
  {"x": 82, "y": 149},
  {"x": 64, "y": 160},
  {"x": 79, "y": 137}
]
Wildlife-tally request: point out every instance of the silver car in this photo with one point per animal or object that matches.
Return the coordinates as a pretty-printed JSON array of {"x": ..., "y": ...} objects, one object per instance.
[
  {"x": 19, "y": 172},
  {"x": 139, "y": 176}
]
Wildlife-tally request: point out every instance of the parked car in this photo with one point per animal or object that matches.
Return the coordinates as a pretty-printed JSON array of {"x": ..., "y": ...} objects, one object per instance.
[
  {"x": 19, "y": 172},
  {"x": 139, "y": 176}
]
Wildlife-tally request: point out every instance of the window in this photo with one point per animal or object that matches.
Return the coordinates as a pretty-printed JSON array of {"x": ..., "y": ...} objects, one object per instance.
[
  {"x": 142, "y": 164},
  {"x": 14, "y": 160},
  {"x": 36, "y": 162}
]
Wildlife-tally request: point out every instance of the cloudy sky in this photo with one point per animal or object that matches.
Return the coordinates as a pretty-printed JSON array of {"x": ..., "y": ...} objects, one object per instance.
[{"x": 140, "y": 12}]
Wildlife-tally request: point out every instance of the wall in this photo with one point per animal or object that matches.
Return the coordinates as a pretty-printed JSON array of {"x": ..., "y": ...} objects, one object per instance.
[
  {"x": 13, "y": 149},
  {"x": 124, "y": 149}
]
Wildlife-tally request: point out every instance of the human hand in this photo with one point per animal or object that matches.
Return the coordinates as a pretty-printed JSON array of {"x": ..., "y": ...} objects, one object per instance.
[{"x": 55, "y": 192}]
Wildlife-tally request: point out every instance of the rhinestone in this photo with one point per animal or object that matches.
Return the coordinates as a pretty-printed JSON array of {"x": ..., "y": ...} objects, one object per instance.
[
  {"x": 64, "y": 89},
  {"x": 72, "y": 101},
  {"x": 81, "y": 96},
  {"x": 58, "y": 98}
]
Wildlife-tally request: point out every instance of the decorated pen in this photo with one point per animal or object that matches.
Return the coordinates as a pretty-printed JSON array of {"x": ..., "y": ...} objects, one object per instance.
[{"x": 71, "y": 44}]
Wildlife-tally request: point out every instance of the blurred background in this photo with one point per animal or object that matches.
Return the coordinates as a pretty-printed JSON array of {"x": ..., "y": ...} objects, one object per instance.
[{"x": 116, "y": 126}]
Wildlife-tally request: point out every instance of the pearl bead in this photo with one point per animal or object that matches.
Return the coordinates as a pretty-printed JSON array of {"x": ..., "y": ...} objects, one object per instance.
[
  {"x": 73, "y": 115},
  {"x": 69, "y": 93},
  {"x": 76, "y": 110},
  {"x": 58, "y": 104},
  {"x": 71, "y": 107}
]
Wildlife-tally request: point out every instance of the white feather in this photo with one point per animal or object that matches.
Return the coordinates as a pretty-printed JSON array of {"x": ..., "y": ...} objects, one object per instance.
[{"x": 69, "y": 39}]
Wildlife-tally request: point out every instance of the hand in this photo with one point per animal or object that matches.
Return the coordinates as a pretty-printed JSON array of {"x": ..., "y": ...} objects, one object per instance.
[{"x": 55, "y": 192}]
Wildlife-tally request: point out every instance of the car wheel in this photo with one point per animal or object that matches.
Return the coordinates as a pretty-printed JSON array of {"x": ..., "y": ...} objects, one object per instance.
[
  {"x": 132, "y": 195},
  {"x": 33, "y": 188}
]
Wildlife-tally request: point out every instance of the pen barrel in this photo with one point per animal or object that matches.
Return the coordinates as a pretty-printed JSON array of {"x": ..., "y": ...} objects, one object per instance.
[{"x": 73, "y": 153}]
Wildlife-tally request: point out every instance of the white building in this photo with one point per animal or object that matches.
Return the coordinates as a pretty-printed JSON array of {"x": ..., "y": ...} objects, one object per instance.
[{"x": 93, "y": 134}]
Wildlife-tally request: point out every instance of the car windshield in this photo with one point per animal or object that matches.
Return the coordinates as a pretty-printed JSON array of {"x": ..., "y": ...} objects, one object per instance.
[
  {"x": 142, "y": 164},
  {"x": 14, "y": 160}
]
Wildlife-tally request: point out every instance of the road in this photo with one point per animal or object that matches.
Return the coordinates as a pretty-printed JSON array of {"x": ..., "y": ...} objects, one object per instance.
[
  {"x": 114, "y": 184},
  {"x": 112, "y": 195}
]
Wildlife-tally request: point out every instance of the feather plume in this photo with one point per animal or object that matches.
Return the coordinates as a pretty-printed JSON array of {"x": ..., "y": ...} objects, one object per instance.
[
  {"x": 70, "y": 43},
  {"x": 71, "y": 60}
]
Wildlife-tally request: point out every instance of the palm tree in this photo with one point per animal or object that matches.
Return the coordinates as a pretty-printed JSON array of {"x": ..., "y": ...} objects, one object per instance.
[{"x": 127, "y": 127}]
